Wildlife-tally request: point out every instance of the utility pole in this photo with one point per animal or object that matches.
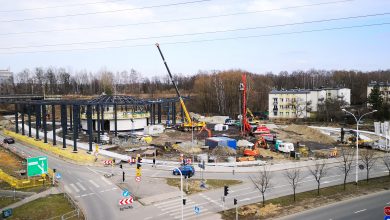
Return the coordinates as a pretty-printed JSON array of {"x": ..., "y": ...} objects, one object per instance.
[{"x": 235, "y": 203}]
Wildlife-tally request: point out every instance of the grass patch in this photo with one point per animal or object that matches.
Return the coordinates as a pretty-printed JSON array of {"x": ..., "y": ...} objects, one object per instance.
[
  {"x": 194, "y": 184},
  {"x": 285, "y": 205},
  {"x": 37, "y": 189},
  {"x": 5, "y": 201},
  {"x": 43, "y": 208}
]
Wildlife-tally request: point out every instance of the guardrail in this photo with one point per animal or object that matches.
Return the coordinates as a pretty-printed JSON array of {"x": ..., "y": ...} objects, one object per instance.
[{"x": 24, "y": 183}]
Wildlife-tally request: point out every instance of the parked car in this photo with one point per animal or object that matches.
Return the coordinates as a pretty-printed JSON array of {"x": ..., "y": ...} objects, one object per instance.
[
  {"x": 186, "y": 170},
  {"x": 9, "y": 140}
]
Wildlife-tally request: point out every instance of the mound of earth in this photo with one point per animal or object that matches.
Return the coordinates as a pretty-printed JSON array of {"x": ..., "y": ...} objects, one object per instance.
[{"x": 309, "y": 134}]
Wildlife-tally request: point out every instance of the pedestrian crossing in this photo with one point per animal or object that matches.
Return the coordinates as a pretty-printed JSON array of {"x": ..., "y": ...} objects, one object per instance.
[
  {"x": 89, "y": 187},
  {"x": 173, "y": 209}
]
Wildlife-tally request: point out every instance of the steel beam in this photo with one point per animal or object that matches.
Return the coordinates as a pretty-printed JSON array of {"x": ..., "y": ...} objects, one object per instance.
[{"x": 53, "y": 123}]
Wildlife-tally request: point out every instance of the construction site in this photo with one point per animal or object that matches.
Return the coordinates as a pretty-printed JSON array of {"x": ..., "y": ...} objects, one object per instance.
[{"x": 165, "y": 129}]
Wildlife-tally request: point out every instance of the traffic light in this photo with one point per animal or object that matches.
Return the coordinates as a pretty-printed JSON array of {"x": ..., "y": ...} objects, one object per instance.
[
  {"x": 138, "y": 166},
  {"x": 184, "y": 201},
  {"x": 225, "y": 190},
  {"x": 139, "y": 159},
  {"x": 120, "y": 166},
  {"x": 235, "y": 201}
]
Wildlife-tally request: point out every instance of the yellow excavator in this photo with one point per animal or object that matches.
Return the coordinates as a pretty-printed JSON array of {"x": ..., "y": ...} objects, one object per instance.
[
  {"x": 252, "y": 119},
  {"x": 188, "y": 123}
]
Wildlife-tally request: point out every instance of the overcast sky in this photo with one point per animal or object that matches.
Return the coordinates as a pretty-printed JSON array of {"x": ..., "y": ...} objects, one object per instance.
[{"x": 61, "y": 33}]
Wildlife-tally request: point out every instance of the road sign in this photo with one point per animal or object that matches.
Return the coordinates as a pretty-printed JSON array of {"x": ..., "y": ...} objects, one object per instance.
[
  {"x": 58, "y": 176},
  {"x": 7, "y": 213},
  {"x": 138, "y": 178},
  {"x": 197, "y": 210},
  {"x": 387, "y": 210},
  {"x": 138, "y": 172},
  {"x": 107, "y": 162},
  {"x": 126, "y": 201},
  {"x": 361, "y": 166},
  {"x": 387, "y": 217},
  {"x": 126, "y": 193},
  {"x": 37, "y": 166}
]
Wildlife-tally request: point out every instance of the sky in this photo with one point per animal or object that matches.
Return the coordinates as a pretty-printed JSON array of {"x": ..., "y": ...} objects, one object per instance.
[{"x": 258, "y": 36}]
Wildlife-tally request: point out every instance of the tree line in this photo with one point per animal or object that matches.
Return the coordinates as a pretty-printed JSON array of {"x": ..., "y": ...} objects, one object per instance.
[{"x": 211, "y": 92}]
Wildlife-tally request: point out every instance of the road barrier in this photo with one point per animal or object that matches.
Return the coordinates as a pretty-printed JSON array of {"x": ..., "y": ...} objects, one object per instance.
[
  {"x": 25, "y": 183},
  {"x": 79, "y": 157}
]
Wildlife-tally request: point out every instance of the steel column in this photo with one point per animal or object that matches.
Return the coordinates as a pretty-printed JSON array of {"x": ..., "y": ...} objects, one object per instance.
[
  {"x": 115, "y": 120},
  {"x": 159, "y": 113},
  {"x": 102, "y": 119},
  {"x": 44, "y": 124},
  {"x": 89, "y": 125},
  {"x": 75, "y": 127},
  {"x": 64, "y": 124},
  {"x": 29, "y": 120},
  {"x": 173, "y": 113},
  {"x": 23, "y": 109},
  {"x": 16, "y": 119},
  {"x": 70, "y": 118},
  {"x": 37, "y": 119},
  {"x": 53, "y": 123},
  {"x": 98, "y": 122}
]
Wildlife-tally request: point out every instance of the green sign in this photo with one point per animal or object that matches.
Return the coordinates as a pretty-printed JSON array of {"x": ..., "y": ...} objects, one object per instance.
[{"x": 37, "y": 166}]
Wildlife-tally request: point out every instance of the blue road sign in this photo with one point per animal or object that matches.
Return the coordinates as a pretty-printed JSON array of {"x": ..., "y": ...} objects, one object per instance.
[
  {"x": 126, "y": 193},
  {"x": 387, "y": 217},
  {"x": 7, "y": 213},
  {"x": 197, "y": 210},
  {"x": 58, "y": 175}
]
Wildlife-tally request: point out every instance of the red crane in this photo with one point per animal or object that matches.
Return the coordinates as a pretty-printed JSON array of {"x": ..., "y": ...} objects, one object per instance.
[{"x": 246, "y": 126}]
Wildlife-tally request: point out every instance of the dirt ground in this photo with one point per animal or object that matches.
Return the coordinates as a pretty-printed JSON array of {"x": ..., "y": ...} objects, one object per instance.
[{"x": 10, "y": 163}]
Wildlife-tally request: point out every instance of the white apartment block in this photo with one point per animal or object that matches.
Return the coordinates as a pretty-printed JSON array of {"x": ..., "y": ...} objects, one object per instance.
[
  {"x": 384, "y": 88},
  {"x": 302, "y": 103}
]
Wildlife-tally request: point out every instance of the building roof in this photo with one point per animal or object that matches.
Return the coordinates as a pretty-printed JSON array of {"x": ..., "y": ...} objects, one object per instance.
[
  {"x": 373, "y": 83},
  {"x": 292, "y": 91}
]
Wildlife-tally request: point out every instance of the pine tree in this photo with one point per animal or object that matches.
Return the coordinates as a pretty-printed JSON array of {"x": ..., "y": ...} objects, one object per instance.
[{"x": 375, "y": 98}]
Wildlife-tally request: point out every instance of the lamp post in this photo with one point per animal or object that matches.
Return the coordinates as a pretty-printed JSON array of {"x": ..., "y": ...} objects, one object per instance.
[{"x": 357, "y": 139}]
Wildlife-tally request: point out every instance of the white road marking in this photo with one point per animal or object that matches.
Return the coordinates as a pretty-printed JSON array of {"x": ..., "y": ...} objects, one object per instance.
[
  {"x": 147, "y": 218},
  {"x": 174, "y": 208},
  {"x": 234, "y": 191},
  {"x": 81, "y": 186},
  {"x": 169, "y": 201},
  {"x": 388, "y": 203},
  {"x": 93, "y": 183},
  {"x": 361, "y": 210},
  {"x": 104, "y": 179},
  {"x": 156, "y": 173},
  {"x": 74, "y": 187},
  {"x": 67, "y": 188},
  {"x": 212, "y": 201}
]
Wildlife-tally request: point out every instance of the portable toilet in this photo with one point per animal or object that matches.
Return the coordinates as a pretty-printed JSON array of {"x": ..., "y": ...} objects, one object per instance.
[{"x": 277, "y": 144}]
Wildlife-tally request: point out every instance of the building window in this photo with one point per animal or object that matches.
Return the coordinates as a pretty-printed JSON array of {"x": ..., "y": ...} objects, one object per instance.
[
  {"x": 275, "y": 100},
  {"x": 281, "y": 114},
  {"x": 281, "y": 99},
  {"x": 287, "y": 99},
  {"x": 275, "y": 113},
  {"x": 287, "y": 114}
]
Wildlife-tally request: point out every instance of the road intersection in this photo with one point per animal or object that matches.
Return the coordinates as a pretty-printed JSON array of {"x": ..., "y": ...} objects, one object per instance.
[{"x": 98, "y": 196}]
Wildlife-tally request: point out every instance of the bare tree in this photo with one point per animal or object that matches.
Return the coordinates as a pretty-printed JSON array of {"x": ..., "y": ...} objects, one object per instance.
[
  {"x": 368, "y": 159},
  {"x": 294, "y": 177},
  {"x": 386, "y": 161},
  {"x": 318, "y": 171},
  {"x": 345, "y": 162},
  {"x": 262, "y": 181}
]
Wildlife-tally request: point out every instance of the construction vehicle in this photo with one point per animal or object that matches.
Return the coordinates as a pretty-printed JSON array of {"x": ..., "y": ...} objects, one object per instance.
[
  {"x": 204, "y": 128},
  {"x": 254, "y": 151},
  {"x": 246, "y": 127},
  {"x": 252, "y": 120},
  {"x": 188, "y": 123},
  {"x": 363, "y": 141}
]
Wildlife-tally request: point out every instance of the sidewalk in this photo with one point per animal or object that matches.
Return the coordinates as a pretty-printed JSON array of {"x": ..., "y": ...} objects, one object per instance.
[{"x": 53, "y": 190}]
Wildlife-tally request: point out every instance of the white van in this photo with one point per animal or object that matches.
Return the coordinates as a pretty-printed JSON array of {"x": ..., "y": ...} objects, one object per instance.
[{"x": 286, "y": 147}]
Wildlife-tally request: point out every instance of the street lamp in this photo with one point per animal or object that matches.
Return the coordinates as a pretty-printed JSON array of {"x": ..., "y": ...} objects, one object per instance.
[{"x": 357, "y": 138}]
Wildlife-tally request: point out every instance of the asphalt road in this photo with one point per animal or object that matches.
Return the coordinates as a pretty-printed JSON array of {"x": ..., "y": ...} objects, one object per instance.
[
  {"x": 361, "y": 208},
  {"x": 99, "y": 196}
]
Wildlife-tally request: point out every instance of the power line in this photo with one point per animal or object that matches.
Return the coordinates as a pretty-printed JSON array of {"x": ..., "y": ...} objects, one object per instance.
[
  {"x": 199, "y": 33},
  {"x": 61, "y": 6},
  {"x": 177, "y": 20},
  {"x": 210, "y": 40},
  {"x": 104, "y": 12}
]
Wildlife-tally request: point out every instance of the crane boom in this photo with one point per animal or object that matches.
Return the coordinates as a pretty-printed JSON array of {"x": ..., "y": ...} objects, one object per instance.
[{"x": 187, "y": 115}]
